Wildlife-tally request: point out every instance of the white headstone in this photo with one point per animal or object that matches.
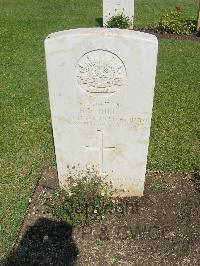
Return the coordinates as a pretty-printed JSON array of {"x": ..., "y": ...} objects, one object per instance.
[
  {"x": 101, "y": 87},
  {"x": 117, "y": 7}
]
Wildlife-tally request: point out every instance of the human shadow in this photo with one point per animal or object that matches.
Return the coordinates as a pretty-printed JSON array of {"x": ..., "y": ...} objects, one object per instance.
[
  {"x": 45, "y": 243},
  {"x": 99, "y": 21}
]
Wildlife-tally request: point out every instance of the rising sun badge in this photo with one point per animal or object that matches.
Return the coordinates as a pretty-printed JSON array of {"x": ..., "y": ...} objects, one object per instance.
[{"x": 100, "y": 71}]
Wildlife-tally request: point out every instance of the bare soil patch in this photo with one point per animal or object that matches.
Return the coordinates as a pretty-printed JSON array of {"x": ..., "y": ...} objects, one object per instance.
[
  {"x": 192, "y": 37},
  {"x": 160, "y": 228}
]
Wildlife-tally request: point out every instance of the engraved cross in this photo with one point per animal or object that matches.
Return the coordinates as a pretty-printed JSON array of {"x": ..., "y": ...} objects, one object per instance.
[{"x": 102, "y": 148}]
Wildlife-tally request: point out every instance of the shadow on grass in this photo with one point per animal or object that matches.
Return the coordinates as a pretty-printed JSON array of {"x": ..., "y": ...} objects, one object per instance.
[
  {"x": 45, "y": 243},
  {"x": 99, "y": 21}
]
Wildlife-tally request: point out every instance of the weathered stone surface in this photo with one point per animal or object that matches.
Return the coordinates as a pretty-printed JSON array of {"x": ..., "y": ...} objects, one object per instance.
[{"x": 101, "y": 87}]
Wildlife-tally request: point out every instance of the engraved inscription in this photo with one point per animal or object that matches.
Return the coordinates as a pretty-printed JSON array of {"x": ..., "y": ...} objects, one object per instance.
[
  {"x": 102, "y": 114},
  {"x": 100, "y": 72},
  {"x": 108, "y": 121}
]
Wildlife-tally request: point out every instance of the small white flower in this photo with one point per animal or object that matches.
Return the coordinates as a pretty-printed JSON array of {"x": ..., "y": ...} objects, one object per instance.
[
  {"x": 102, "y": 194},
  {"x": 45, "y": 238},
  {"x": 95, "y": 211},
  {"x": 74, "y": 184},
  {"x": 102, "y": 216}
]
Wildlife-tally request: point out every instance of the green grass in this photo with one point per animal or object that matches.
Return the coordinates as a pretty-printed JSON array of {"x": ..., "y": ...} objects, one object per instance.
[
  {"x": 175, "y": 130},
  {"x": 26, "y": 140}
]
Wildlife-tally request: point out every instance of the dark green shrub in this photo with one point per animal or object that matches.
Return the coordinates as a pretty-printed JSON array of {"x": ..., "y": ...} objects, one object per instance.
[{"x": 119, "y": 21}]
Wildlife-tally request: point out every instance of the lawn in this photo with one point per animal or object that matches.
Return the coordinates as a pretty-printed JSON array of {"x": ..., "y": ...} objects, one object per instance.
[
  {"x": 26, "y": 139},
  {"x": 175, "y": 134}
]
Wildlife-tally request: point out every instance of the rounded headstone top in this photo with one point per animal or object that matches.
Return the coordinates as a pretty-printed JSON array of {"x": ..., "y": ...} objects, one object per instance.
[{"x": 103, "y": 32}]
